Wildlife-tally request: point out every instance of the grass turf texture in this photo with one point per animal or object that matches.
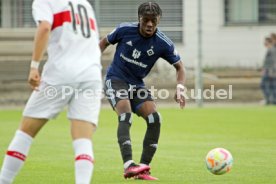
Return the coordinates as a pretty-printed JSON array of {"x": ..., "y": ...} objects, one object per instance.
[{"x": 186, "y": 137}]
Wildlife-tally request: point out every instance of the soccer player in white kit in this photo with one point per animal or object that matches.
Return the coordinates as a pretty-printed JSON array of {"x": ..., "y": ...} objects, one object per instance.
[{"x": 71, "y": 77}]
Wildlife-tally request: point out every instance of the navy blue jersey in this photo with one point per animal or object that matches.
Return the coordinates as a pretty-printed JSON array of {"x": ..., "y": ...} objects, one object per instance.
[{"x": 135, "y": 55}]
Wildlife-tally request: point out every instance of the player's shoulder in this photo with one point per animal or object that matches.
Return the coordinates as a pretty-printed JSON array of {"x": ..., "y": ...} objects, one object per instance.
[
  {"x": 128, "y": 25},
  {"x": 163, "y": 38},
  {"x": 60, "y": 5},
  {"x": 125, "y": 28},
  {"x": 42, "y": 3}
]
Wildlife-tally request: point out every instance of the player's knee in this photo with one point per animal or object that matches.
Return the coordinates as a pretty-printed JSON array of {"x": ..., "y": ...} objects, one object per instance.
[{"x": 154, "y": 119}]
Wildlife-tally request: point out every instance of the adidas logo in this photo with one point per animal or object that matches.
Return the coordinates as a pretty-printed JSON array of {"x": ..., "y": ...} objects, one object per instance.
[{"x": 129, "y": 43}]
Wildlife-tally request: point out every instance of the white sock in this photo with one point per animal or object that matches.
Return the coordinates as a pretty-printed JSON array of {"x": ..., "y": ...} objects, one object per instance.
[
  {"x": 127, "y": 164},
  {"x": 15, "y": 156},
  {"x": 84, "y": 161}
]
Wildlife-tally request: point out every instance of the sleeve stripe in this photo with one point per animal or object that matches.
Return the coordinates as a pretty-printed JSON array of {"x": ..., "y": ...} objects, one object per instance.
[
  {"x": 164, "y": 38},
  {"x": 108, "y": 40}
]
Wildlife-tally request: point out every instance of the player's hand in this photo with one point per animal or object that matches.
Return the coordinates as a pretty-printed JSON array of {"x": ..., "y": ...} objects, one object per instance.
[
  {"x": 34, "y": 78},
  {"x": 179, "y": 95}
]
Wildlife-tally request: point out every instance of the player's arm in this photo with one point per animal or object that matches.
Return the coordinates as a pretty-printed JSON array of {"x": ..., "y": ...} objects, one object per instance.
[
  {"x": 112, "y": 38},
  {"x": 40, "y": 44},
  {"x": 180, "y": 77},
  {"x": 104, "y": 44}
]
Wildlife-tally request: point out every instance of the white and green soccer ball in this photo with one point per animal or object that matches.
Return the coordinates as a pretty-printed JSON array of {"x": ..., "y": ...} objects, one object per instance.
[{"x": 219, "y": 161}]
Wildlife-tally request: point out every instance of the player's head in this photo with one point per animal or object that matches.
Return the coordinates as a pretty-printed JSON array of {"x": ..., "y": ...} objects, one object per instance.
[
  {"x": 149, "y": 15},
  {"x": 268, "y": 42}
]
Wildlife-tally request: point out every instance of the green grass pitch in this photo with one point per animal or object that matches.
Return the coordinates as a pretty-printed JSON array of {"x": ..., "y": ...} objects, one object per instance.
[{"x": 249, "y": 133}]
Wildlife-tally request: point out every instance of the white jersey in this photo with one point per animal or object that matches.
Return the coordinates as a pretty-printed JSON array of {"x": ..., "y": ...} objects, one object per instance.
[{"x": 73, "y": 50}]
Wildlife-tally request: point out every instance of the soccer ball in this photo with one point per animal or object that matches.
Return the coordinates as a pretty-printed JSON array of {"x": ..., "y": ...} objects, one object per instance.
[{"x": 219, "y": 161}]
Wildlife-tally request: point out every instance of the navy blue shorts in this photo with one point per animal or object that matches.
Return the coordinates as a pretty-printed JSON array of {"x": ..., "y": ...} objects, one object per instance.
[{"x": 116, "y": 90}]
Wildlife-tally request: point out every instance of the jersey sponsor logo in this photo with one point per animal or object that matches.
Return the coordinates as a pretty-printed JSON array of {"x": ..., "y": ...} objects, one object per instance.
[
  {"x": 133, "y": 61},
  {"x": 136, "y": 54},
  {"x": 129, "y": 43}
]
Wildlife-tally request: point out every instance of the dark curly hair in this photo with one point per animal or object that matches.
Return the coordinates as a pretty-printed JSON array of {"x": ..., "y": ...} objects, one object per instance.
[{"x": 149, "y": 8}]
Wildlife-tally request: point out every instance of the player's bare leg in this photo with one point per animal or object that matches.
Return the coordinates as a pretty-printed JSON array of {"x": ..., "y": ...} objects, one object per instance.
[
  {"x": 82, "y": 133},
  {"x": 123, "y": 110},
  {"x": 149, "y": 113},
  {"x": 19, "y": 148},
  {"x": 32, "y": 126}
]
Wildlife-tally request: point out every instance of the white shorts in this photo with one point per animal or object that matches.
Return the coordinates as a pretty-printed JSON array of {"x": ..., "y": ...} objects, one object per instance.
[{"x": 83, "y": 100}]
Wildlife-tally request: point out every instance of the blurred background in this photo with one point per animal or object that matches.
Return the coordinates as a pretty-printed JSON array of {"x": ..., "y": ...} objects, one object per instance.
[{"x": 225, "y": 38}]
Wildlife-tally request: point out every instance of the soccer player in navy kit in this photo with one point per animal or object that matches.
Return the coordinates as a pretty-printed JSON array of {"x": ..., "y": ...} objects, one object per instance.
[{"x": 139, "y": 45}]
